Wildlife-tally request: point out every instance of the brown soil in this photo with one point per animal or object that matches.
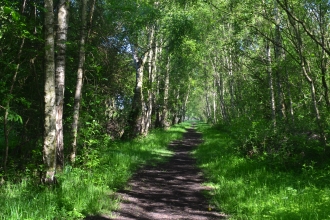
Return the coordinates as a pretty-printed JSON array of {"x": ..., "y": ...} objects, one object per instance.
[{"x": 172, "y": 190}]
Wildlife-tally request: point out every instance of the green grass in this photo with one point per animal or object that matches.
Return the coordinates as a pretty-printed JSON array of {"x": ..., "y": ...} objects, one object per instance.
[
  {"x": 250, "y": 189},
  {"x": 88, "y": 188}
]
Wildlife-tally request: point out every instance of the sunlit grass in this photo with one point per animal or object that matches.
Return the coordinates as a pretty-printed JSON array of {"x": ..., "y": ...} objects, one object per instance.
[
  {"x": 88, "y": 188},
  {"x": 248, "y": 189}
]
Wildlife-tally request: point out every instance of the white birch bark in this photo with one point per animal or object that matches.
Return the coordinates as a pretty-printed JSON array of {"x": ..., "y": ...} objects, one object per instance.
[
  {"x": 49, "y": 146},
  {"x": 278, "y": 58},
  {"x": 137, "y": 118},
  {"x": 152, "y": 56},
  {"x": 220, "y": 87},
  {"x": 184, "y": 106},
  {"x": 164, "y": 123},
  {"x": 214, "y": 101},
  {"x": 271, "y": 84},
  {"x": 61, "y": 38}
]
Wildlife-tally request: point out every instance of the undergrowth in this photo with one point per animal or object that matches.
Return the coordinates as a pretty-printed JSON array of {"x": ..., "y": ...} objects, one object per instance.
[
  {"x": 102, "y": 168},
  {"x": 248, "y": 188}
]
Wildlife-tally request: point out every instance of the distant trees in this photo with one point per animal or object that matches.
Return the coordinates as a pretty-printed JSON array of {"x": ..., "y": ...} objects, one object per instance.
[{"x": 269, "y": 60}]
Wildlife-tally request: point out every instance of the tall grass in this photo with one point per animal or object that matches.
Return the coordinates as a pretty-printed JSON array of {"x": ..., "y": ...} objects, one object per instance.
[
  {"x": 246, "y": 188},
  {"x": 86, "y": 189}
]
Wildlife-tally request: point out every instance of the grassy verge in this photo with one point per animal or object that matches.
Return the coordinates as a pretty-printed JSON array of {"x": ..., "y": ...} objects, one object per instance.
[
  {"x": 251, "y": 189},
  {"x": 85, "y": 190}
]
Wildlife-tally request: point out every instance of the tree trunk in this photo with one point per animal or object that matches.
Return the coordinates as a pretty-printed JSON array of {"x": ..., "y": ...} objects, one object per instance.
[
  {"x": 208, "y": 108},
  {"x": 184, "y": 106},
  {"x": 307, "y": 72},
  {"x": 61, "y": 38},
  {"x": 229, "y": 63},
  {"x": 164, "y": 123},
  {"x": 323, "y": 56},
  {"x": 79, "y": 85},
  {"x": 155, "y": 76},
  {"x": 49, "y": 148},
  {"x": 289, "y": 94},
  {"x": 278, "y": 58},
  {"x": 151, "y": 71},
  {"x": 271, "y": 84},
  {"x": 136, "y": 117},
  {"x": 214, "y": 101},
  {"x": 220, "y": 88}
]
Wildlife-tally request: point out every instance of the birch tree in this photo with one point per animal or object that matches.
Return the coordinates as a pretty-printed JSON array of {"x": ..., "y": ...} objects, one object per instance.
[
  {"x": 136, "y": 117},
  {"x": 164, "y": 115},
  {"x": 61, "y": 40},
  {"x": 80, "y": 74},
  {"x": 49, "y": 146}
]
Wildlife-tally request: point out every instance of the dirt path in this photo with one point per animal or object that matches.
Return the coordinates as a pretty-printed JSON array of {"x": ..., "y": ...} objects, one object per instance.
[{"x": 171, "y": 190}]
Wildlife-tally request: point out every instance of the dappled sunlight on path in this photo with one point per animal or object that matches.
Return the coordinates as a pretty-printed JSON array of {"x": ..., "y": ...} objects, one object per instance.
[{"x": 172, "y": 190}]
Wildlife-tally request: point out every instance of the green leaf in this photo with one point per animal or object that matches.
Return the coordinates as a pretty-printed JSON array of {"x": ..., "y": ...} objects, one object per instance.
[
  {"x": 7, "y": 10},
  {"x": 13, "y": 116},
  {"x": 15, "y": 15}
]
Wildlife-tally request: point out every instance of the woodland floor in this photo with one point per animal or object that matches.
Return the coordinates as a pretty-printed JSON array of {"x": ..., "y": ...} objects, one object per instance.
[{"x": 172, "y": 190}]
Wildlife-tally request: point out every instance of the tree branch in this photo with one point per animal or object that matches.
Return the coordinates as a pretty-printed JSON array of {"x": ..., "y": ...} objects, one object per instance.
[{"x": 309, "y": 33}]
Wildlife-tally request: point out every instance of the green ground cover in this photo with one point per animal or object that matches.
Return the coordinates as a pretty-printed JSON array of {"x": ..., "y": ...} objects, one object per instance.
[
  {"x": 248, "y": 188},
  {"x": 85, "y": 189}
]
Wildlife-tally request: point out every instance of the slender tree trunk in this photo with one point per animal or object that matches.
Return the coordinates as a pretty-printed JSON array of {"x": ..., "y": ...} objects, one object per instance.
[
  {"x": 79, "y": 85},
  {"x": 164, "y": 123},
  {"x": 324, "y": 80},
  {"x": 184, "y": 106},
  {"x": 278, "y": 58},
  {"x": 323, "y": 56},
  {"x": 219, "y": 86},
  {"x": 176, "y": 107},
  {"x": 61, "y": 38},
  {"x": 49, "y": 148},
  {"x": 158, "y": 110},
  {"x": 151, "y": 77},
  {"x": 221, "y": 98},
  {"x": 271, "y": 84},
  {"x": 229, "y": 63},
  {"x": 289, "y": 94},
  {"x": 214, "y": 101},
  {"x": 208, "y": 107},
  {"x": 155, "y": 112},
  {"x": 307, "y": 72}
]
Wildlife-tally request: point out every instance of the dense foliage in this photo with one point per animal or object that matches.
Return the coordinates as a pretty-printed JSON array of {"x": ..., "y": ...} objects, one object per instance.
[
  {"x": 267, "y": 78},
  {"x": 249, "y": 188},
  {"x": 76, "y": 73}
]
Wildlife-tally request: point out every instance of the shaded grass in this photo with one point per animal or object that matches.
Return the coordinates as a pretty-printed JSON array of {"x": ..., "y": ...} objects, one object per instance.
[
  {"x": 246, "y": 188},
  {"x": 87, "y": 189}
]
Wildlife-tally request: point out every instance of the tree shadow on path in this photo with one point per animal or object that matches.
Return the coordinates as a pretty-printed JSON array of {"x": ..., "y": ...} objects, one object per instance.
[{"x": 172, "y": 190}]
